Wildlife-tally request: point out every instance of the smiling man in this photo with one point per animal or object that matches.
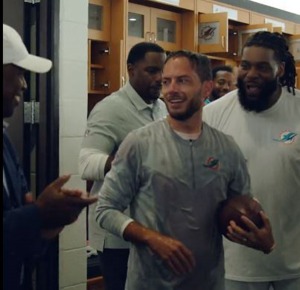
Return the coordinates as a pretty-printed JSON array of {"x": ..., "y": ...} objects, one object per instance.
[
  {"x": 28, "y": 224},
  {"x": 263, "y": 116},
  {"x": 224, "y": 81},
  {"x": 173, "y": 174}
]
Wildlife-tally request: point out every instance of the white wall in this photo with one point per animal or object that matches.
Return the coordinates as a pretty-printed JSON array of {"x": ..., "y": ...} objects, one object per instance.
[
  {"x": 73, "y": 54},
  {"x": 291, "y": 6}
]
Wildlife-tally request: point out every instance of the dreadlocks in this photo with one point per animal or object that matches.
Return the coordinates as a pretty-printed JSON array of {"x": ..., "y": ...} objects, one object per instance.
[{"x": 276, "y": 42}]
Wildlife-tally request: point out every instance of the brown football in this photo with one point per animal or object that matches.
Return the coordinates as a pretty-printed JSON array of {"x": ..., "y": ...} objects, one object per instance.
[{"x": 233, "y": 208}]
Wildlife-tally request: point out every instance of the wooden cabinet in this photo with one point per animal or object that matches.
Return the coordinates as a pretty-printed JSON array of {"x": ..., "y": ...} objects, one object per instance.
[
  {"x": 98, "y": 76},
  {"x": 98, "y": 51},
  {"x": 98, "y": 63},
  {"x": 213, "y": 32},
  {"x": 98, "y": 22},
  {"x": 239, "y": 15},
  {"x": 234, "y": 13},
  {"x": 204, "y": 6},
  {"x": 294, "y": 45},
  {"x": 218, "y": 25},
  {"x": 155, "y": 25},
  {"x": 185, "y": 4},
  {"x": 279, "y": 25},
  {"x": 256, "y": 18},
  {"x": 297, "y": 85},
  {"x": 211, "y": 27},
  {"x": 246, "y": 31},
  {"x": 217, "y": 35},
  {"x": 295, "y": 51},
  {"x": 139, "y": 28},
  {"x": 218, "y": 61}
]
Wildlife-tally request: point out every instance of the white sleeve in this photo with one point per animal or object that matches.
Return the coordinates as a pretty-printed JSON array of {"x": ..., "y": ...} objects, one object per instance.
[{"x": 92, "y": 163}]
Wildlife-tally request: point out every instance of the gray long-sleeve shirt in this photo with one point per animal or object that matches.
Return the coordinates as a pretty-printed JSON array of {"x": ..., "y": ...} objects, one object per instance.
[{"x": 173, "y": 186}]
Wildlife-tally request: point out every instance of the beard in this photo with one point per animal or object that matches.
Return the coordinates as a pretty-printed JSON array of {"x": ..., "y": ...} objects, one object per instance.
[
  {"x": 193, "y": 107},
  {"x": 9, "y": 106},
  {"x": 214, "y": 95},
  {"x": 154, "y": 93},
  {"x": 258, "y": 103}
]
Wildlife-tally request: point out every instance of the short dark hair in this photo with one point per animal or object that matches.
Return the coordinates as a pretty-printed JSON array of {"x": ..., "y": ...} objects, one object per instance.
[
  {"x": 216, "y": 69},
  {"x": 138, "y": 51},
  {"x": 277, "y": 42},
  {"x": 199, "y": 62}
]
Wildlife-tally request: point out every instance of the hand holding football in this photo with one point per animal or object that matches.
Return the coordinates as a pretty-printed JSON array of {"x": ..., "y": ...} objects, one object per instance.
[{"x": 233, "y": 208}]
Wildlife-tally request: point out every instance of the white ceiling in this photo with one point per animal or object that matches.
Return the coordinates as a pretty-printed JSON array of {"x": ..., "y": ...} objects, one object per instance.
[{"x": 292, "y": 6}]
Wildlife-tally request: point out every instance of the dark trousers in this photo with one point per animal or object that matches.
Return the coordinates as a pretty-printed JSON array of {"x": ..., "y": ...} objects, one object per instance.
[{"x": 114, "y": 268}]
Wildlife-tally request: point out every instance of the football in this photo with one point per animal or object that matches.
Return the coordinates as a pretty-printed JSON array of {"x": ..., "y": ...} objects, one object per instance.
[{"x": 233, "y": 208}]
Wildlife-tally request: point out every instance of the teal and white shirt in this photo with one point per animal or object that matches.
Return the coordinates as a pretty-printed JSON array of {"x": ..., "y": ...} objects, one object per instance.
[{"x": 270, "y": 142}]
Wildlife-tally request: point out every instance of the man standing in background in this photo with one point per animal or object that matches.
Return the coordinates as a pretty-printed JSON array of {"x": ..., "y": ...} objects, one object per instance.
[
  {"x": 224, "y": 81},
  {"x": 133, "y": 106},
  {"x": 263, "y": 116}
]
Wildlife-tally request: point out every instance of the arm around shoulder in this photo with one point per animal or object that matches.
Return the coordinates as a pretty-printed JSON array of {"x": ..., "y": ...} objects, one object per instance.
[{"x": 92, "y": 164}]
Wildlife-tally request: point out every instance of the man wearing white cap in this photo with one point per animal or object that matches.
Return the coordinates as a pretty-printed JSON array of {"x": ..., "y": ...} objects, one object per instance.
[{"x": 28, "y": 224}]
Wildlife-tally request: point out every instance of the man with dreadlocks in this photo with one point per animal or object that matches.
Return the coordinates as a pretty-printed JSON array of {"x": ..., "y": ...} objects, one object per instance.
[{"x": 263, "y": 116}]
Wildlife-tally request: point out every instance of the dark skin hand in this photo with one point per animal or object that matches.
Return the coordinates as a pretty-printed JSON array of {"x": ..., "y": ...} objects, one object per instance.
[
  {"x": 257, "y": 238},
  {"x": 59, "y": 206},
  {"x": 28, "y": 198}
]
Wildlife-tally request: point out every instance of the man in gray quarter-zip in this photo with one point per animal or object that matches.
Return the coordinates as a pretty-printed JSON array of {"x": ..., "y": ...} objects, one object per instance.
[{"x": 173, "y": 174}]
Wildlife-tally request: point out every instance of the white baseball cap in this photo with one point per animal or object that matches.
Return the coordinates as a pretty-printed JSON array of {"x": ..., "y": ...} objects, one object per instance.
[{"x": 15, "y": 52}]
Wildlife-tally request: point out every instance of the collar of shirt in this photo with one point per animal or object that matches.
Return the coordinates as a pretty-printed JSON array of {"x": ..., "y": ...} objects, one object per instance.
[
  {"x": 188, "y": 136},
  {"x": 135, "y": 98}
]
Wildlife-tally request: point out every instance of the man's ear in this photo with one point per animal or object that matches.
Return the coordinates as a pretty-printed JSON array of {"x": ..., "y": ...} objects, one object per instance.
[
  {"x": 207, "y": 89},
  {"x": 130, "y": 69},
  {"x": 281, "y": 69}
]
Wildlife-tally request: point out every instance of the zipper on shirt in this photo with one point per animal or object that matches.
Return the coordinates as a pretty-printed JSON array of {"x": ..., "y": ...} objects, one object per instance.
[{"x": 193, "y": 165}]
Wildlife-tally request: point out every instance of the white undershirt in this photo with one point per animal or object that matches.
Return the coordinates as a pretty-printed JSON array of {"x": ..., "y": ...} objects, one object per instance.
[{"x": 187, "y": 136}]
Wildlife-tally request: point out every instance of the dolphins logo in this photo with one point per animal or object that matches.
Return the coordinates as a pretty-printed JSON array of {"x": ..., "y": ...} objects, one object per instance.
[
  {"x": 286, "y": 137},
  {"x": 212, "y": 163}
]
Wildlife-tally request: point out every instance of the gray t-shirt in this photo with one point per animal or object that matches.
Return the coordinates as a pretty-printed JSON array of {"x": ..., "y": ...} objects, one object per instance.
[{"x": 173, "y": 186}]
